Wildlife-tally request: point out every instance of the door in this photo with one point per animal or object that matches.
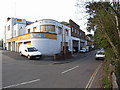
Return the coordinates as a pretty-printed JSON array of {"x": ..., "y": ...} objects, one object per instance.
[
  {"x": 25, "y": 52},
  {"x": 28, "y": 43},
  {"x": 18, "y": 45}
]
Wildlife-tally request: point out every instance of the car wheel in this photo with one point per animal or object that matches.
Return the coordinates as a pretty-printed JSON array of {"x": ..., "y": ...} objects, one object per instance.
[
  {"x": 20, "y": 54},
  {"x": 29, "y": 57}
]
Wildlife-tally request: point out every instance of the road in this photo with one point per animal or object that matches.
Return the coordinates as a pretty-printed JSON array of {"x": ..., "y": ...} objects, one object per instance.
[{"x": 19, "y": 72}]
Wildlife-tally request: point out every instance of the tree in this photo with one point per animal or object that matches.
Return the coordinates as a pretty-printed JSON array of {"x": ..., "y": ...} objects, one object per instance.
[{"x": 104, "y": 20}]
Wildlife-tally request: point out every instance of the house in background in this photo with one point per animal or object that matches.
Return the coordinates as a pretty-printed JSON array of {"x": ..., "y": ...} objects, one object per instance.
[
  {"x": 77, "y": 35},
  {"x": 90, "y": 42}
]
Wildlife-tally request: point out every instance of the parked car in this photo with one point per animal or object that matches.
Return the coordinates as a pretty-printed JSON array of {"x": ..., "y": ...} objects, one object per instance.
[
  {"x": 102, "y": 50},
  {"x": 87, "y": 48},
  {"x": 29, "y": 51},
  {"x": 72, "y": 50},
  {"x": 83, "y": 50},
  {"x": 99, "y": 55}
]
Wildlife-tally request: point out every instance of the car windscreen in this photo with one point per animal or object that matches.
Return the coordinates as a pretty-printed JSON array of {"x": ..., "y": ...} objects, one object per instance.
[
  {"x": 100, "y": 53},
  {"x": 32, "y": 49}
]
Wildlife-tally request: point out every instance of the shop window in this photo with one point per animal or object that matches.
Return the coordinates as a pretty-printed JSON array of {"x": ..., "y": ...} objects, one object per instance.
[{"x": 28, "y": 43}]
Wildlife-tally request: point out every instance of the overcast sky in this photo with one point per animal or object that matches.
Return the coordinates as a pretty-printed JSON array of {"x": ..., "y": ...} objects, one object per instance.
[{"x": 32, "y": 10}]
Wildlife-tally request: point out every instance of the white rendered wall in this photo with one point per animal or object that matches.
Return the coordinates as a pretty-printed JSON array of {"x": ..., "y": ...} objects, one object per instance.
[
  {"x": 12, "y": 22},
  {"x": 46, "y": 46},
  {"x": 19, "y": 29},
  {"x": 9, "y": 33}
]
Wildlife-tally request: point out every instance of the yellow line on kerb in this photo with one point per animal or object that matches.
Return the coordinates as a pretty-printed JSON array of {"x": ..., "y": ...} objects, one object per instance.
[{"x": 92, "y": 78}]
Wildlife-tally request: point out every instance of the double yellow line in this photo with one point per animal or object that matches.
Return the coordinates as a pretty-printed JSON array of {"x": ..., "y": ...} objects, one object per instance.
[{"x": 92, "y": 78}]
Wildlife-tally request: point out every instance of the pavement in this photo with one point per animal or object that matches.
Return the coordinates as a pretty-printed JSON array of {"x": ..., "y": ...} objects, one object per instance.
[{"x": 81, "y": 71}]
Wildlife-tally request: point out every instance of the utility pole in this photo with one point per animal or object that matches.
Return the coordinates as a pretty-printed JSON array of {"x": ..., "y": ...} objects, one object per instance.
[
  {"x": 64, "y": 47},
  {"x": 5, "y": 38},
  {"x": 62, "y": 40}
]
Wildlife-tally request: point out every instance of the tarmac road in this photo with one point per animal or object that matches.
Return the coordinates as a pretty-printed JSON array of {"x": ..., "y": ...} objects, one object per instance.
[{"x": 19, "y": 72}]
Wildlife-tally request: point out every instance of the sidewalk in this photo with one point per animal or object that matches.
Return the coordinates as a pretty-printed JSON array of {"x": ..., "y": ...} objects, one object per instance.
[
  {"x": 97, "y": 82},
  {"x": 48, "y": 59}
]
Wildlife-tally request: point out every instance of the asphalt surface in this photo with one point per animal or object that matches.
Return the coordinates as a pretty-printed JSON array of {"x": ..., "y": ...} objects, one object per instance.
[{"x": 19, "y": 72}]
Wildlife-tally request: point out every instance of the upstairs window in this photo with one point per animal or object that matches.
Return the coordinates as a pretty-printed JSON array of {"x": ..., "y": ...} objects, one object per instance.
[
  {"x": 19, "y": 20},
  {"x": 28, "y": 30},
  {"x": 72, "y": 29},
  {"x": 42, "y": 28},
  {"x": 20, "y": 27},
  {"x": 8, "y": 27},
  {"x": 78, "y": 31},
  {"x": 50, "y": 28},
  {"x": 59, "y": 30},
  {"x": 66, "y": 32},
  {"x": 15, "y": 32},
  {"x": 37, "y": 35},
  {"x": 34, "y": 29},
  {"x": 47, "y": 28}
]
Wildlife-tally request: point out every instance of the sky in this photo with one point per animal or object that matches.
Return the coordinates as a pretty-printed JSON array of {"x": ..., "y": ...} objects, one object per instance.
[{"x": 32, "y": 10}]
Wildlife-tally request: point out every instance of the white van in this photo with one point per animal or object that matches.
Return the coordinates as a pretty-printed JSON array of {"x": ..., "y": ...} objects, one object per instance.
[{"x": 29, "y": 51}]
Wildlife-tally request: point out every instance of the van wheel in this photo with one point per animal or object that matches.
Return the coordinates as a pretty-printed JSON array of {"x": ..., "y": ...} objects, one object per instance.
[
  {"x": 29, "y": 57},
  {"x": 20, "y": 54}
]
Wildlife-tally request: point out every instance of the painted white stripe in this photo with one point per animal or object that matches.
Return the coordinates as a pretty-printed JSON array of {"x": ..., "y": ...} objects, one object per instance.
[
  {"x": 22, "y": 83},
  {"x": 92, "y": 77},
  {"x": 69, "y": 69}
]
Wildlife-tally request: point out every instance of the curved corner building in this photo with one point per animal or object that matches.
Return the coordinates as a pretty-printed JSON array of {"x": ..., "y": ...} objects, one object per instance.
[{"x": 46, "y": 35}]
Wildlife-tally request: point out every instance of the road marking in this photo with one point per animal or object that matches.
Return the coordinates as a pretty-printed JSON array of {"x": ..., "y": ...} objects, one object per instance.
[
  {"x": 22, "y": 83},
  {"x": 92, "y": 77},
  {"x": 69, "y": 69}
]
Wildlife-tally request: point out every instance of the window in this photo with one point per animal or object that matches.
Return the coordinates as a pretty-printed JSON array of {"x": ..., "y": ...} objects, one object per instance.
[
  {"x": 42, "y": 28},
  {"x": 48, "y": 28},
  {"x": 80, "y": 34},
  {"x": 72, "y": 29},
  {"x": 15, "y": 32},
  {"x": 37, "y": 35},
  {"x": 19, "y": 20},
  {"x": 78, "y": 31},
  {"x": 32, "y": 49},
  {"x": 34, "y": 29},
  {"x": 66, "y": 32},
  {"x": 8, "y": 27},
  {"x": 75, "y": 30},
  {"x": 28, "y": 30},
  {"x": 59, "y": 30},
  {"x": 20, "y": 27}
]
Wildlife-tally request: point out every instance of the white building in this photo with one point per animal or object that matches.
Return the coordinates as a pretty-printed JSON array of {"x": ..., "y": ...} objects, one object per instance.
[{"x": 46, "y": 35}]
